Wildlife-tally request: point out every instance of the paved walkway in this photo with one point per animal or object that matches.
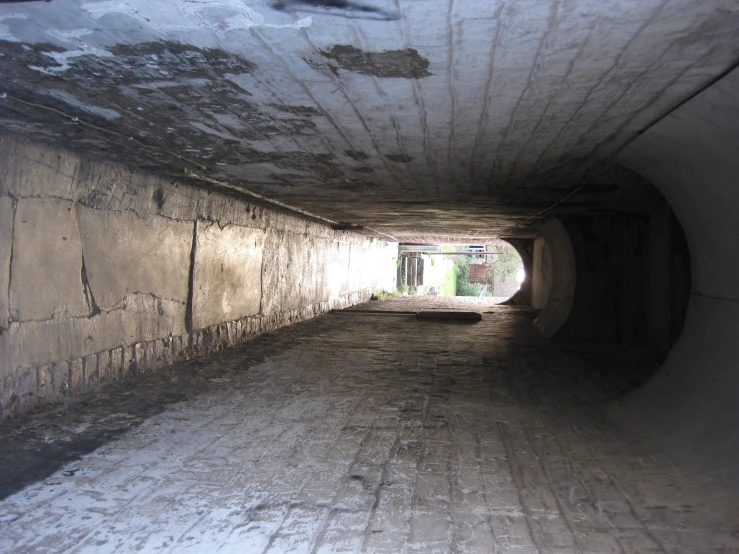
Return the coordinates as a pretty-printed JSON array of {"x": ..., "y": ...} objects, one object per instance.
[{"x": 362, "y": 433}]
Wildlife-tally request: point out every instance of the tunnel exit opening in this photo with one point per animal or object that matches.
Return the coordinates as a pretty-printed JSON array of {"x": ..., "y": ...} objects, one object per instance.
[{"x": 493, "y": 271}]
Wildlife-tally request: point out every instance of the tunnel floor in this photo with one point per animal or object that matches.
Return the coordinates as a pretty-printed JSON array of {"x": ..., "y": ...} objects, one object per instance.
[{"x": 362, "y": 432}]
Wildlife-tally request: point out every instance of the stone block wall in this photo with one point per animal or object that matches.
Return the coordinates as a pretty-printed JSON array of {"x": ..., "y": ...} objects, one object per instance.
[{"x": 106, "y": 271}]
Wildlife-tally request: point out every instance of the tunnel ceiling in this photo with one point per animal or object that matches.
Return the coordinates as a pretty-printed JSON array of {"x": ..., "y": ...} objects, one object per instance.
[{"x": 409, "y": 116}]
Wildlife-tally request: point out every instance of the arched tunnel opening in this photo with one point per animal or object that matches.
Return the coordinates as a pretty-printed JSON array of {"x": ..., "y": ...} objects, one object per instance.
[
  {"x": 486, "y": 271},
  {"x": 369, "y": 277}
]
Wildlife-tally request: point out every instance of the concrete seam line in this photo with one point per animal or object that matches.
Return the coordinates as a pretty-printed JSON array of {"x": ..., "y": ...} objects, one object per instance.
[
  {"x": 713, "y": 297},
  {"x": 273, "y": 201},
  {"x": 258, "y": 196}
]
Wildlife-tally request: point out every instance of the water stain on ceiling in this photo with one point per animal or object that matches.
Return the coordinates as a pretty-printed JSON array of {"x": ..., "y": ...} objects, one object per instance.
[
  {"x": 340, "y": 8},
  {"x": 407, "y": 63}
]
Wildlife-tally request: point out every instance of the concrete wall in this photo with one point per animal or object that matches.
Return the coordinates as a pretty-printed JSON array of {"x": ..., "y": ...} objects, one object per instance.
[
  {"x": 541, "y": 279},
  {"x": 691, "y": 156},
  {"x": 625, "y": 291},
  {"x": 668, "y": 280},
  {"x": 610, "y": 296},
  {"x": 658, "y": 276},
  {"x": 106, "y": 271},
  {"x": 564, "y": 278}
]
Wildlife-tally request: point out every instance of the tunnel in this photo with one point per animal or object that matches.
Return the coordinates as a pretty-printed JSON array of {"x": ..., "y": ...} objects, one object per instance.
[{"x": 204, "y": 341}]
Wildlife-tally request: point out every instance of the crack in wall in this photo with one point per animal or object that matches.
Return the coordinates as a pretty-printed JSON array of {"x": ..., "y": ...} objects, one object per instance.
[
  {"x": 87, "y": 290},
  {"x": 123, "y": 305},
  {"x": 144, "y": 316},
  {"x": 191, "y": 279},
  {"x": 6, "y": 324}
]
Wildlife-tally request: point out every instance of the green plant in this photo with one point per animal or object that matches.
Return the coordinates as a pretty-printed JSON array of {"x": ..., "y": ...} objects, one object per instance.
[
  {"x": 402, "y": 289},
  {"x": 462, "y": 263},
  {"x": 507, "y": 263},
  {"x": 464, "y": 287},
  {"x": 469, "y": 289},
  {"x": 449, "y": 288}
]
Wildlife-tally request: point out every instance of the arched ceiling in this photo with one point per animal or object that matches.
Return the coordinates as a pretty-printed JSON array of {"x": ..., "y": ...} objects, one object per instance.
[{"x": 408, "y": 116}]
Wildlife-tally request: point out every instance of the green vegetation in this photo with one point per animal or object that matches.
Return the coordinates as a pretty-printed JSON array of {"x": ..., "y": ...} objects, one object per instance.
[
  {"x": 462, "y": 265},
  {"x": 469, "y": 289},
  {"x": 464, "y": 287},
  {"x": 449, "y": 287},
  {"x": 506, "y": 264},
  {"x": 502, "y": 270},
  {"x": 384, "y": 294}
]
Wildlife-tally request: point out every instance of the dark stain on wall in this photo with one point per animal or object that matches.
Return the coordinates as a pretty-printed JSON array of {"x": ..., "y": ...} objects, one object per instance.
[
  {"x": 595, "y": 188},
  {"x": 194, "y": 102},
  {"x": 181, "y": 98},
  {"x": 399, "y": 158},
  {"x": 407, "y": 63},
  {"x": 343, "y": 8},
  {"x": 357, "y": 155},
  {"x": 296, "y": 110},
  {"x": 151, "y": 59}
]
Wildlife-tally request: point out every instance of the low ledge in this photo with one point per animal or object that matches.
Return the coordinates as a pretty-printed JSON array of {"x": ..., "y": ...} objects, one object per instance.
[
  {"x": 425, "y": 313},
  {"x": 438, "y": 313}
]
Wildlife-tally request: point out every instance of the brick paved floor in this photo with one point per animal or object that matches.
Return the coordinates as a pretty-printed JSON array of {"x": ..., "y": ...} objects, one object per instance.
[{"x": 366, "y": 433}]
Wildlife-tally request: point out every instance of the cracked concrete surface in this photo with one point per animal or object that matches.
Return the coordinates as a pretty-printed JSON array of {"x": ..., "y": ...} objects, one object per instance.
[
  {"x": 367, "y": 432},
  {"x": 46, "y": 229},
  {"x": 7, "y": 215},
  {"x": 96, "y": 258}
]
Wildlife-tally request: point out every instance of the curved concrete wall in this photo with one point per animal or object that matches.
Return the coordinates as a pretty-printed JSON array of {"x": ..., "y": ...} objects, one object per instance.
[
  {"x": 563, "y": 278},
  {"x": 542, "y": 270},
  {"x": 692, "y": 157}
]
